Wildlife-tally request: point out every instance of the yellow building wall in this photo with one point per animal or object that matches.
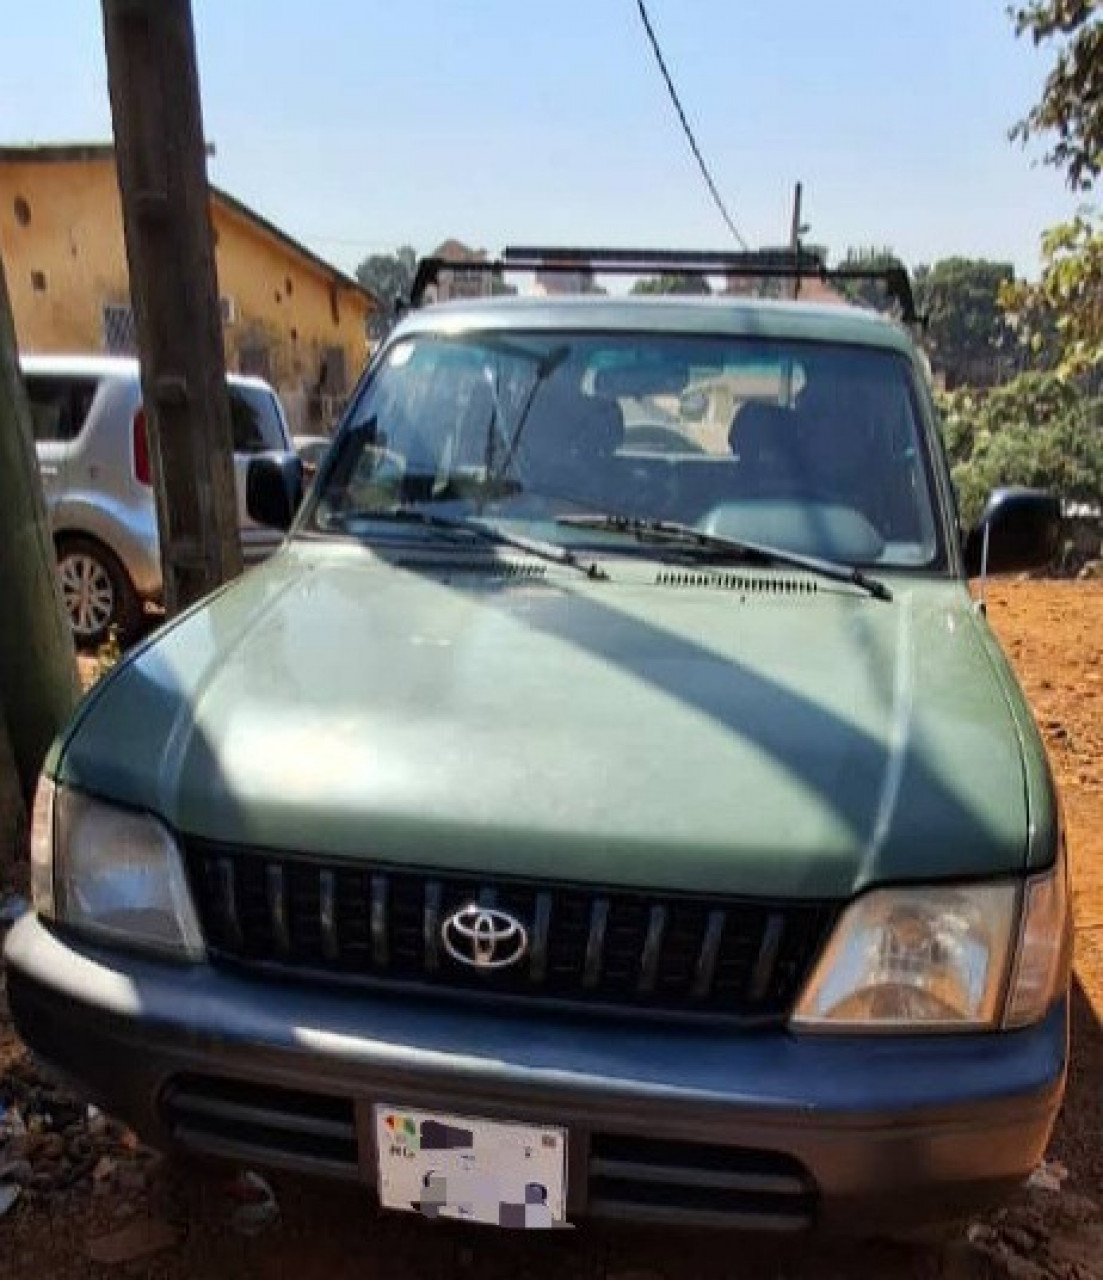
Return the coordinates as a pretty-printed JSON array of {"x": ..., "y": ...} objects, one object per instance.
[
  {"x": 67, "y": 259},
  {"x": 284, "y": 304},
  {"x": 74, "y": 238}
]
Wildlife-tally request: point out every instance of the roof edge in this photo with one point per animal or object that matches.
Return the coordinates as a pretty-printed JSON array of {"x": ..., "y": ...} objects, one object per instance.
[
  {"x": 83, "y": 152},
  {"x": 251, "y": 215},
  {"x": 56, "y": 152}
]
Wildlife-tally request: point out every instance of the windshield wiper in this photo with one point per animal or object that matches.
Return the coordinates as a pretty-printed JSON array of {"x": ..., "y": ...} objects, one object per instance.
[
  {"x": 545, "y": 367},
  {"x": 672, "y": 531},
  {"x": 485, "y": 533}
]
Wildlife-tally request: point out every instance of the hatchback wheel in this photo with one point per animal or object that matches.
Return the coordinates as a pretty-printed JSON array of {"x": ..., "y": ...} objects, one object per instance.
[{"x": 96, "y": 592}]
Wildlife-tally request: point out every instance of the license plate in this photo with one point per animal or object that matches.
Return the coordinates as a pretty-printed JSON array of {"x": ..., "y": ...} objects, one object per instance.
[{"x": 446, "y": 1166}]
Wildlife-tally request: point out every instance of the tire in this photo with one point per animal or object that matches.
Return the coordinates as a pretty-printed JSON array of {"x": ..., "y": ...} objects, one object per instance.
[{"x": 97, "y": 593}]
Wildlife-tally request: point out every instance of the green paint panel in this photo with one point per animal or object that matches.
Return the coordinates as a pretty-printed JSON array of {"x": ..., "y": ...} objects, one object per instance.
[{"x": 623, "y": 732}]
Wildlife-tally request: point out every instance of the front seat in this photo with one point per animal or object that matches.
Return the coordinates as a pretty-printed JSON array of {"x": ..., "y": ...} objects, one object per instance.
[
  {"x": 568, "y": 443},
  {"x": 847, "y": 451},
  {"x": 767, "y": 441}
]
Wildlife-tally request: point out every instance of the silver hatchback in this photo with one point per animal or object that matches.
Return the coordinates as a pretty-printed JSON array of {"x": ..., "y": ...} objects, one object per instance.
[{"x": 93, "y": 455}]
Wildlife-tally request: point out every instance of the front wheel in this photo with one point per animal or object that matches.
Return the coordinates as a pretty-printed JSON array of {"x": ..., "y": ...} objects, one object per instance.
[{"x": 97, "y": 593}]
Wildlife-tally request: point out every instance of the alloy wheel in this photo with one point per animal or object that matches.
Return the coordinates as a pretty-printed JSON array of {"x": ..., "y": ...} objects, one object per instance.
[{"x": 87, "y": 593}]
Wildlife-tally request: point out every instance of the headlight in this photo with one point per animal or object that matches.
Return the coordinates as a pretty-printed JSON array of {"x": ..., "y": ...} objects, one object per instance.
[
  {"x": 914, "y": 959},
  {"x": 115, "y": 874}
]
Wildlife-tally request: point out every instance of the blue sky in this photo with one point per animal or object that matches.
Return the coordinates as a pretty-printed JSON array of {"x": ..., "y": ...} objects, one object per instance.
[{"x": 361, "y": 124}]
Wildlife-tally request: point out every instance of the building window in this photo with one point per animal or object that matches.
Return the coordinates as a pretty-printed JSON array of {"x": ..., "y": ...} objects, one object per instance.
[
  {"x": 288, "y": 287},
  {"x": 22, "y": 211},
  {"x": 119, "y": 335},
  {"x": 38, "y": 281},
  {"x": 334, "y": 305}
]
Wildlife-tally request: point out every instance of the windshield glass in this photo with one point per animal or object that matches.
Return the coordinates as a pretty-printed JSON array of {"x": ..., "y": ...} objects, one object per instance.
[{"x": 811, "y": 447}]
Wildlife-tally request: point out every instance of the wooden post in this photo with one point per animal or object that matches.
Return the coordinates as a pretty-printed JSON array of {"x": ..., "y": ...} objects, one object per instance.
[
  {"x": 795, "y": 232},
  {"x": 38, "y": 673},
  {"x": 161, "y": 161},
  {"x": 13, "y": 806}
]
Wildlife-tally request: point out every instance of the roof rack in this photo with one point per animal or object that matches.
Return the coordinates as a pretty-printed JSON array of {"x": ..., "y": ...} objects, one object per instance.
[{"x": 764, "y": 264}]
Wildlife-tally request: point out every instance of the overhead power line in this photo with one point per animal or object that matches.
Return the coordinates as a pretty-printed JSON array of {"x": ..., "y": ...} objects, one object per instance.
[{"x": 685, "y": 124}]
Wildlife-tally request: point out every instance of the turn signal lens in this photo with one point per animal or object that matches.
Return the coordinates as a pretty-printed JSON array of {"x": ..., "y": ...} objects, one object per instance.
[
  {"x": 1045, "y": 947},
  {"x": 42, "y": 848}
]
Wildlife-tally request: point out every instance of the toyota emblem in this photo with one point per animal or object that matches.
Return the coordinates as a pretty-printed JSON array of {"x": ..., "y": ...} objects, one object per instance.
[{"x": 484, "y": 937}]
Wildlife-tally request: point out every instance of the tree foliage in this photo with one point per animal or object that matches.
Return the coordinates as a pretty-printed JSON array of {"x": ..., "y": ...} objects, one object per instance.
[
  {"x": 967, "y": 336},
  {"x": 1071, "y": 107},
  {"x": 672, "y": 284},
  {"x": 389, "y": 275},
  {"x": 1062, "y": 314},
  {"x": 867, "y": 293},
  {"x": 1040, "y": 429}
]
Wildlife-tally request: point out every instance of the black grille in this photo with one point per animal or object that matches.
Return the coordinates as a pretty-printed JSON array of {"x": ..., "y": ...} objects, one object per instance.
[
  {"x": 742, "y": 958},
  {"x": 254, "y": 1123},
  {"x": 694, "y": 1182}
]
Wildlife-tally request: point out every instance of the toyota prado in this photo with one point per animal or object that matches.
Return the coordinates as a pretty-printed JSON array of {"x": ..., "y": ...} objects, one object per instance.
[{"x": 610, "y": 801}]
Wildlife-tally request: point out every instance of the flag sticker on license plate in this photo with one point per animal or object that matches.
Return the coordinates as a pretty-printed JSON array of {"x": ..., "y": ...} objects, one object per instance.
[{"x": 445, "y": 1166}]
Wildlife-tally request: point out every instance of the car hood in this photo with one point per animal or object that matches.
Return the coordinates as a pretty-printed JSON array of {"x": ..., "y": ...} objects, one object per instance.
[{"x": 761, "y": 733}]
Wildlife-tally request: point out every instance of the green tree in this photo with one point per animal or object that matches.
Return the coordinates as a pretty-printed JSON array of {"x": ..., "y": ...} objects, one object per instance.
[
  {"x": 868, "y": 293},
  {"x": 389, "y": 275},
  {"x": 1064, "y": 310},
  {"x": 1040, "y": 429},
  {"x": 967, "y": 335},
  {"x": 1062, "y": 313},
  {"x": 672, "y": 284},
  {"x": 1071, "y": 106}
]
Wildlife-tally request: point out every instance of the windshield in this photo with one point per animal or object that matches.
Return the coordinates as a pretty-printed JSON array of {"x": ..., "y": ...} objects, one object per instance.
[{"x": 811, "y": 447}]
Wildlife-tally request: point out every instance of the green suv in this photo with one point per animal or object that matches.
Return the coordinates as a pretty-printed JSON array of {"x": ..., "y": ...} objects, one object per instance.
[{"x": 609, "y": 802}]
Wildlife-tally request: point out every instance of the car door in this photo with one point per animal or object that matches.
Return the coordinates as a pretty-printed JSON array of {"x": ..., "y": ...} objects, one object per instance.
[{"x": 59, "y": 408}]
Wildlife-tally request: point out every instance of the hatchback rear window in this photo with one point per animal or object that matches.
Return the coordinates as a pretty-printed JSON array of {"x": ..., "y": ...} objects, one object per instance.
[
  {"x": 59, "y": 406},
  {"x": 255, "y": 417}
]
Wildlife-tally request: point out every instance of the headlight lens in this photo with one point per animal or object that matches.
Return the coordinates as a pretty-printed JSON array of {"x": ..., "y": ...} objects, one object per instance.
[
  {"x": 117, "y": 875},
  {"x": 1045, "y": 946},
  {"x": 914, "y": 959}
]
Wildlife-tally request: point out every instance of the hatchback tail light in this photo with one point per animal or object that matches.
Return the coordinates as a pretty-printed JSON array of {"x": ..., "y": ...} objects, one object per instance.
[{"x": 143, "y": 472}]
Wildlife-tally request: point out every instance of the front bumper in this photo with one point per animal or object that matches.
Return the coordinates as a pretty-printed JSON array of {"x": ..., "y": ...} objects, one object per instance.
[{"x": 761, "y": 1131}]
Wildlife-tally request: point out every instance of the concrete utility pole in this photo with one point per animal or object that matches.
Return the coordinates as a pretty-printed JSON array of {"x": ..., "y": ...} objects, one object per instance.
[
  {"x": 38, "y": 674},
  {"x": 161, "y": 161}
]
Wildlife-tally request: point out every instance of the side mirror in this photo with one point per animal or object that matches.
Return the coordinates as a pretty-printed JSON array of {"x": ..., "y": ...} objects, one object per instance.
[
  {"x": 1018, "y": 529},
  {"x": 273, "y": 491}
]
